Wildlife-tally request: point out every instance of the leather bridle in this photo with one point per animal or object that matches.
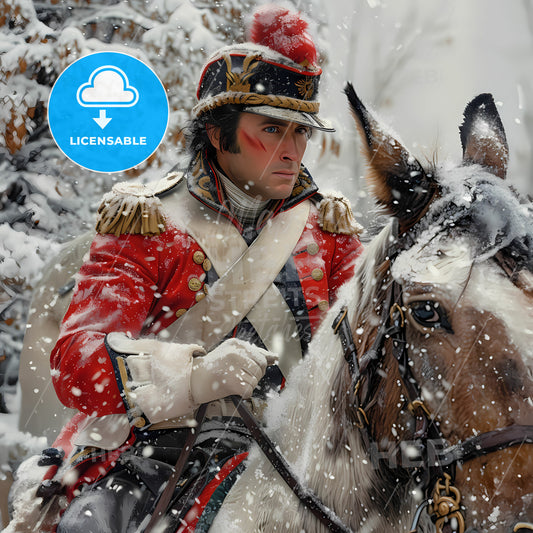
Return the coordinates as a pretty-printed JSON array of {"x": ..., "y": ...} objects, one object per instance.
[{"x": 436, "y": 478}]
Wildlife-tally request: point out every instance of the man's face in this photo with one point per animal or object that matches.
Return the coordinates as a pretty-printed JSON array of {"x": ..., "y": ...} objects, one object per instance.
[{"x": 268, "y": 161}]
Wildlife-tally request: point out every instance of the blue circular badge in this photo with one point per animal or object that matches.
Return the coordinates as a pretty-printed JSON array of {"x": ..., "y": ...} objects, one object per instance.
[{"x": 108, "y": 112}]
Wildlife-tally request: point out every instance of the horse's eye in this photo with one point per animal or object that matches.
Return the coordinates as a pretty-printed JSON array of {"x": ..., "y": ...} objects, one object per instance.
[{"x": 430, "y": 315}]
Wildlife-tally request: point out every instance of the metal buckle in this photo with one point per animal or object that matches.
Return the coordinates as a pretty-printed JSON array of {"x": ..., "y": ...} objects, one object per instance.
[
  {"x": 418, "y": 404},
  {"x": 362, "y": 418},
  {"x": 396, "y": 310},
  {"x": 522, "y": 525},
  {"x": 338, "y": 320}
]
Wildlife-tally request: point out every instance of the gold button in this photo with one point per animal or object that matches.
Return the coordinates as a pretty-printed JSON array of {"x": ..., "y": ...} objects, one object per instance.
[
  {"x": 317, "y": 274},
  {"x": 206, "y": 288},
  {"x": 180, "y": 312},
  {"x": 198, "y": 257},
  {"x": 200, "y": 296},
  {"x": 323, "y": 305},
  {"x": 312, "y": 249},
  {"x": 195, "y": 284},
  {"x": 139, "y": 422},
  {"x": 207, "y": 265}
]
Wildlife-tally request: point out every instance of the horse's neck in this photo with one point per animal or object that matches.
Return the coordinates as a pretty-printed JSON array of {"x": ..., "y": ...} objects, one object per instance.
[
  {"x": 306, "y": 429},
  {"x": 306, "y": 401}
]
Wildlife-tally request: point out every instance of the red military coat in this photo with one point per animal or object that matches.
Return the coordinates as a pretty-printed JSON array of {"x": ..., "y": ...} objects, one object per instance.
[{"x": 140, "y": 284}]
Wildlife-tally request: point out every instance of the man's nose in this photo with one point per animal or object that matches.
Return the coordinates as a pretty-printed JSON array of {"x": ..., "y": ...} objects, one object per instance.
[{"x": 290, "y": 149}]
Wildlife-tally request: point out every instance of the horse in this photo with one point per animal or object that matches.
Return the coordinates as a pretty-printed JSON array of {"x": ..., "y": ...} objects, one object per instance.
[{"x": 412, "y": 410}]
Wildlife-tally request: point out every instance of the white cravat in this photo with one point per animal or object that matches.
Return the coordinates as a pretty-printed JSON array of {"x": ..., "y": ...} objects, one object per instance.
[{"x": 245, "y": 208}]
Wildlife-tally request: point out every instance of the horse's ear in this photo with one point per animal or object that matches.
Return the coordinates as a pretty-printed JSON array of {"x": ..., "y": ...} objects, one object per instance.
[
  {"x": 483, "y": 137},
  {"x": 398, "y": 181}
]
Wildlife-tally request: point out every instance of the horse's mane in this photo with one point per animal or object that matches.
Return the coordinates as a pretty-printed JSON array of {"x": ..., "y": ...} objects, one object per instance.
[
  {"x": 364, "y": 296},
  {"x": 370, "y": 272}
]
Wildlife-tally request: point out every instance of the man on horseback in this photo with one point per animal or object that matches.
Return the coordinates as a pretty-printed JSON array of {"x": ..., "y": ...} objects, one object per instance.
[{"x": 206, "y": 284}]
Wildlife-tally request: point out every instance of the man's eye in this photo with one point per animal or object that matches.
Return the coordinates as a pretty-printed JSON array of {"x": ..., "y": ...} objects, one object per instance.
[
  {"x": 271, "y": 129},
  {"x": 430, "y": 315}
]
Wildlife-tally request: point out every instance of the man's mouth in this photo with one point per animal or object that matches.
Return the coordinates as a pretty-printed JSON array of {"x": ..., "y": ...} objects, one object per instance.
[{"x": 286, "y": 173}]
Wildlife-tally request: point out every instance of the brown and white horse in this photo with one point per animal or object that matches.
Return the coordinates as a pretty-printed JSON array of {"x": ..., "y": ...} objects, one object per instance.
[{"x": 439, "y": 402}]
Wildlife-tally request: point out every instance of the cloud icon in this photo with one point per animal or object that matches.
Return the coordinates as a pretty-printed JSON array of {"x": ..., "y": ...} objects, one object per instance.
[{"x": 108, "y": 86}]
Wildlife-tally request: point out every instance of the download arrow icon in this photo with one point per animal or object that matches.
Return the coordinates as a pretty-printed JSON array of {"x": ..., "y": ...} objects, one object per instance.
[{"x": 102, "y": 120}]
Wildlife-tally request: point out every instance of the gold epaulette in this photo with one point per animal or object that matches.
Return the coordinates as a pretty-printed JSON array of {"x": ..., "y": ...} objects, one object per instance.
[
  {"x": 135, "y": 208},
  {"x": 336, "y": 216}
]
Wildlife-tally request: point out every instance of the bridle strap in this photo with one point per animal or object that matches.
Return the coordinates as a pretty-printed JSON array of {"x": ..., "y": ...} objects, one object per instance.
[
  {"x": 391, "y": 327},
  {"x": 342, "y": 328},
  {"x": 309, "y": 500},
  {"x": 489, "y": 442}
]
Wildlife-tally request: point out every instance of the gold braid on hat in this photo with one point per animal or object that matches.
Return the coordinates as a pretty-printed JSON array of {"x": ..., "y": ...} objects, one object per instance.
[{"x": 273, "y": 100}]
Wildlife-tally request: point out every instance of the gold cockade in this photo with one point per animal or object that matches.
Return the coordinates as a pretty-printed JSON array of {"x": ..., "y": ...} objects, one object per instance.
[{"x": 306, "y": 88}]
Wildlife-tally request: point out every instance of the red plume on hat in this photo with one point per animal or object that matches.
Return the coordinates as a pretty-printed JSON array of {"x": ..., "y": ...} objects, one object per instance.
[{"x": 284, "y": 31}]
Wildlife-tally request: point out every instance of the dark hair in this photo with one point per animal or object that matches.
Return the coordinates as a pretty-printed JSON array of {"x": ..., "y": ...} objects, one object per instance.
[{"x": 226, "y": 118}]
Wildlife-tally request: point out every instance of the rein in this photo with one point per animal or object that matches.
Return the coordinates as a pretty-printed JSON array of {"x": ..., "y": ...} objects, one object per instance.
[
  {"x": 163, "y": 500},
  {"x": 310, "y": 500},
  {"x": 436, "y": 477}
]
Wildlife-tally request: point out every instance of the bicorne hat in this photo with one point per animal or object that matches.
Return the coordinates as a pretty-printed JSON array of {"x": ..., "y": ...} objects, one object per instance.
[{"x": 276, "y": 74}]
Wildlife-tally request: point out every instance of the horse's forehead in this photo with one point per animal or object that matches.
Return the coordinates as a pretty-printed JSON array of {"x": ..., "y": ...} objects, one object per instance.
[
  {"x": 436, "y": 260},
  {"x": 477, "y": 205}
]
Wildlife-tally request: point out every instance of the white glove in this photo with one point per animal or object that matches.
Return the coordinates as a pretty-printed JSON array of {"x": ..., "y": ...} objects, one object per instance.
[
  {"x": 160, "y": 375},
  {"x": 233, "y": 367},
  {"x": 166, "y": 381}
]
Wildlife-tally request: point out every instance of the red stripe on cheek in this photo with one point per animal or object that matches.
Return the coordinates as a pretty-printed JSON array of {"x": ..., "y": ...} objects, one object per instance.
[{"x": 253, "y": 142}]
